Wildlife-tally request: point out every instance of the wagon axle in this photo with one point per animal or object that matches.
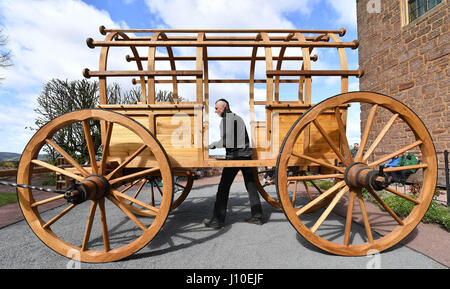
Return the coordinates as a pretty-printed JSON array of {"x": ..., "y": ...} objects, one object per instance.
[
  {"x": 360, "y": 175},
  {"x": 93, "y": 187}
]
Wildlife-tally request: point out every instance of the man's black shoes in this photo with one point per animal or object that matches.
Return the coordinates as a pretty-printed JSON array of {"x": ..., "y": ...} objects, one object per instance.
[
  {"x": 213, "y": 223},
  {"x": 255, "y": 220}
]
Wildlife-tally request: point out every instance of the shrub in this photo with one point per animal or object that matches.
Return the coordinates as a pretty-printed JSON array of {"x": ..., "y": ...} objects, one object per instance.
[
  {"x": 436, "y": 213},
  {"x": 326, "y": 184},
  {"x": 7, "y": 198}
]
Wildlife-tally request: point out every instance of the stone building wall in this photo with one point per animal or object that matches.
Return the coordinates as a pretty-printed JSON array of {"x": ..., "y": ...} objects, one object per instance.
[{"x": 409, "y": 62}]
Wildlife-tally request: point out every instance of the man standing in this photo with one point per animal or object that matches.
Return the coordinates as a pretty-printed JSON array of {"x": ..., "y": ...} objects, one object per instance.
[
  {"x": 234, "y": 139},
  {"x": 354, "y": 149}
]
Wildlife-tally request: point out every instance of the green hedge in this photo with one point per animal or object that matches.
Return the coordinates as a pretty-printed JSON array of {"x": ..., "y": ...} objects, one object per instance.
[{"x": 436, "y": 213}]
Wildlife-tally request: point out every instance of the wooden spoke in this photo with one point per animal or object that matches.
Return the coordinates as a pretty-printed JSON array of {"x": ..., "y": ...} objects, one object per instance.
[
  {"x": 157, "y": 186},
  {"x": 320, "y": 162},
  {"x": 330, "y": 142},
  {"x": 385, "y": 206},
  {"x": 127, "y": 212},
  {"x": 129, "y": 186},
  {"x": 181, "y": 186},
  {"x": 348, "y": 220},
  {"x": 365, "y": 133},
  {"x": 294, "y": 193},
  {"x": 90, "y": 145},
  {"x": 58, "y": 170},
  {"x": 268, "y": 183},
  {"x": 127, "y": 161},
  {"x": 35, "y": 204},
  {"x": 307, "y": 189},
  {"x": 57, "y": 217},
  {"x": 65, "y": 155},
  {"x": 133, "y": 176},
  {"x": 411, "y": 167},
  {"x": 320, "y": 198},
  {"x": 315, "y": 177},
  {"x": 365, "y": 217},
  {"x": 109, "y": 126},
  {"x": 379, "y": 137},
  {"x": 400, "y": 151},
  {"x": 101, "y": 205},
  {"x": 329, "y": 209},
  {"x": 152, "y": 193},
  {"x": 87, "y": 233},
  {"x": 404, "y": 196},
  {"x": 315, "y": 186},
  {"x": 133, "y": 200},
  {"x": 343, "y": 134},
  {"x": 144, "y": 181}
]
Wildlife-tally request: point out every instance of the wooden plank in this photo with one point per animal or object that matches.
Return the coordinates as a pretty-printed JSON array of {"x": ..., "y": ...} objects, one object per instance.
[
  {"x": 222, "y": 58},
  {"x": 341, "y": 31},
  {"x": 118, "y": 73},
  {"x": 356, "y": 73},
  {"x": 144, "y": 43},
  {"x": 135, "y": 81}
]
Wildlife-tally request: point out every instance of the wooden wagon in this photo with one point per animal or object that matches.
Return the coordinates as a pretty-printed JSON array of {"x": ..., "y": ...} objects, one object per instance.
[{"x": 146, "y": 144}]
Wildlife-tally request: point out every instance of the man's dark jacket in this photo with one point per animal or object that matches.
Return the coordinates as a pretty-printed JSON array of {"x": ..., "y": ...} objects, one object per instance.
[{"x": 233, "y": 137}]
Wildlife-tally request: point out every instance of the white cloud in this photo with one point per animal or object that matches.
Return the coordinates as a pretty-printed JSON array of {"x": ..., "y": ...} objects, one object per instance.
[
  {"x": 47, "y": 40},
  {"x": 346, "y": 10},
  {"x": 228, "y": 14}
]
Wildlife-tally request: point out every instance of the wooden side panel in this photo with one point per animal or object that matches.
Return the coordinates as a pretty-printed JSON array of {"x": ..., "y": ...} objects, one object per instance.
[
  {"x": 318, "y": 146},
  {"x": 176, "y": 135},
  {"x": 310, "y": 141},
  {"x": 124, "y": 143},
  {"x": 261, "y": 147},
  {"x": 174, "y": 130}
]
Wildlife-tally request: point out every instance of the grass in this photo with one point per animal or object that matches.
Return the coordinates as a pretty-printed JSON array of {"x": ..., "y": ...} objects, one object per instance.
[{"x": 7, "y": 198}]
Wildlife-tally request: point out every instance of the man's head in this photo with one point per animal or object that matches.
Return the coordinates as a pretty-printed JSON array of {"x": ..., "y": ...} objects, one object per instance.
[
  {"x": 221, "y": 106},
  {"x": 356, "y": 145}
]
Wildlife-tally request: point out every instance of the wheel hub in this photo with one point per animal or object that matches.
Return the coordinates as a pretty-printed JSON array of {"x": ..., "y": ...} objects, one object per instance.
[
  {"x": 93, "y": 187},
  {"x": 359, "y": 175}
]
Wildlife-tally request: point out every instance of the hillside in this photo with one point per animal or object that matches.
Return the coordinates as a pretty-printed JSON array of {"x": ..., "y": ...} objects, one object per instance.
[
  {"x": 4, "y": 156},
  {"x": 14, "y": 157}
]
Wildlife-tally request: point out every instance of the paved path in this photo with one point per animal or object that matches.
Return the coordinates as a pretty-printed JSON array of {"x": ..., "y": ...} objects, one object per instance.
[{"x": 184, "y": 242}]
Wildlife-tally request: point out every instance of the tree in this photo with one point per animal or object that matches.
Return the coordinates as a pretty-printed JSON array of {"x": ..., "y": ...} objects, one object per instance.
[
  {"x": 5, "y": 54},
  {"x": 62, "y": 96},
  {"x": 166, "y": 96}
]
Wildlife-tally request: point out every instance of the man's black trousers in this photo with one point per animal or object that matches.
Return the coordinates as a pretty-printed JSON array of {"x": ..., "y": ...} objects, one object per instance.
[{"x": 223, "y": 192}]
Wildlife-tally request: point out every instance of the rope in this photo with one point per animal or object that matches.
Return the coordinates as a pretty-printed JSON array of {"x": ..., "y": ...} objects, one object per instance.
[{"x": 31, "y": 187}]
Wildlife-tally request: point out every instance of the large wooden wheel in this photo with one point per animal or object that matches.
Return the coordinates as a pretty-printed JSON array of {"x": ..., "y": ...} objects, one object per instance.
[
  {"x": 353, "y": 176},
  {"x": 117, "y": 232}
]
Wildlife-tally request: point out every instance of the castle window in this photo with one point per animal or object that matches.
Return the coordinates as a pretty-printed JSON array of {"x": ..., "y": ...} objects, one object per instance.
[{"x": 417, "y": 8}]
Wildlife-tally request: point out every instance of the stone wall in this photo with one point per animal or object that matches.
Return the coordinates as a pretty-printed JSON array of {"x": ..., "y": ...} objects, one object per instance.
[{"x": 410, "y": 63}]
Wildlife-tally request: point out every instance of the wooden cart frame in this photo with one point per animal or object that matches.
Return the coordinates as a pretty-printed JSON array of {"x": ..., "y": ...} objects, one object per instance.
[{"x": 302, "y": 142}]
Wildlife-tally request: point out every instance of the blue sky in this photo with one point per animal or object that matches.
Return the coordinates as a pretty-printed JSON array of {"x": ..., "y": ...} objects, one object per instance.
[{"x": 47, "y": 40}]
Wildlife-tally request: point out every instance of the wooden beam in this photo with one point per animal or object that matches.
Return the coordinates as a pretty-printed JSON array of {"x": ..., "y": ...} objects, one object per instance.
[
  {"x": 221, "y": 58},
  {"x": 117, "y": 73},
  {"x": 358, "y": 73},
  {"x": 142, "y": 43}
]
